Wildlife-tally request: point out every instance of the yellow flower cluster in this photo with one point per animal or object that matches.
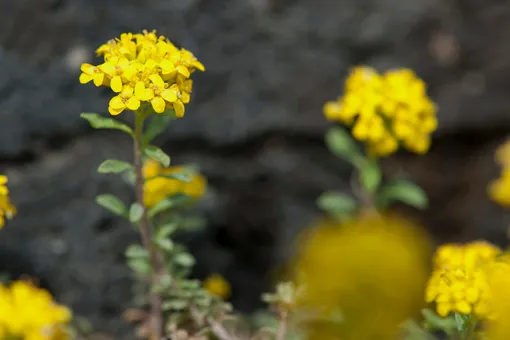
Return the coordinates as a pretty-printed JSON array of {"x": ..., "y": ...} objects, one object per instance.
[
  {"x": 217, "y": 285},
  {"x": 499, "y": 189},
  {"x": 144, "y": 68},
  {"x": 459, "y": 282},
  {"x": 157, "y": 187},
  {"x": 497, "y": 327},
  {"x": 7, "y": 210},
  {"x": 352, "y": 273},
  {"x": 29, "y": 313},
  {"x": 386, "y": 110}
]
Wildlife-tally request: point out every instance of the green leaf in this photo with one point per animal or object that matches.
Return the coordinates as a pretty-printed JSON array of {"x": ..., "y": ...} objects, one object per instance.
[
  {"x": 156, "y": 126},
  {"x": 157, "y": 154},
  {"x": 166, "y": 230},
  {"x": 129, "y": 177},
  {"x": 165, "y": 244},
  {"x": 336, "y": 204},
  {"x": 461, "y": 322},
  {"x": 183, "y": 176},
  {"x": 168, "y": 203},
  {"x": 112, "y": 166},
  {"x": 136, "y": 251},
  {"x": 434, "y": 322},
  {"x": 100, "y": 122},
  {"x": 175, "y": 304},
  {"x": 370, "y": 176},
  {"x": 139, "y": 266},
  {"x": 340, "y": 142},
  {"x": 193, "y": 223},
  {"x": 184, "y": 259},
  {"x": 112, "y": 203},
  {"x": 135, "y": 212},
  {"x": 404, "y": 191}
]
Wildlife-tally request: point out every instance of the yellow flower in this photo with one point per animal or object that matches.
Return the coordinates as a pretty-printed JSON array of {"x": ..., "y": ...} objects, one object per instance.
[
  {"x": 158, "y": 188},
  {"x": 29, "y": 313},
  {"x": 498, "y": 328},
  {"x": 386, "y": 110},
  {"x": 499, "y": 189},
  {"x": 7, "y": 210},
  {"x": 217, "y": 285},
  {"x": 125, "y": 100},
  {"x": 459, "y": 281},
  {"x": 351, "y": 273},
  {"x": 144, "y": 68}
]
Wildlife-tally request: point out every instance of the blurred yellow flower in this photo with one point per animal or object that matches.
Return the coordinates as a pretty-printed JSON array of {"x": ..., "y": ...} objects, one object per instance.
[
  {"x": 29, "y": 313},
  {"x": 144, "y": 68},
  {"x": 363, "y": 278},
  {"x": 158, "y": 188},
  {"x": 386, "y": 110},
  {"x": 217, "y": 285},
  {"x": 459, "y": 281},
  {"x": 498, "y": 328},
  {"x": 499, "y": 189},
  {"x": 7, "y": 210}
]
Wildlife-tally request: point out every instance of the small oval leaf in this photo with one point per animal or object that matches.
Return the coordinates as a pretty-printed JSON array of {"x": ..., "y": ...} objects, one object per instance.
[
  {"x": 135, "y": 212},
  {"x": 113, "y": 166},
  {"x": 100, "y": 122},
  {"x": 157, "y": 154},
  {"x": 112, "y": 203}
]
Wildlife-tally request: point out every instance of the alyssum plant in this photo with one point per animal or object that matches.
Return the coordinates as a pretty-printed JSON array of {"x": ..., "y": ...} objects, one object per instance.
[{"x": 151, "y": 78}]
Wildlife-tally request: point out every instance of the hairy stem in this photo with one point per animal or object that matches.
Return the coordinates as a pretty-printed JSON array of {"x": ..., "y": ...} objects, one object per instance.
[{"x": 145, "y": 231}]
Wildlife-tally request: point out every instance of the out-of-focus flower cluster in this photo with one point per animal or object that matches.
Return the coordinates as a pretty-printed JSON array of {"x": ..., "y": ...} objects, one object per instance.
[
  {"x": 498, "y": 328},
  {"x": 7, "y": 210},
  {"x": 157, "y": 187},
  {"x": 144, "y": 68},
  {"x": 459, "y": 282},
  {"x": 499, "y": 189},
  {"x": 386, "y": 110},
  {"x": 363, "y": 278},
  {"x": 29, "y": 313},
  {"x": 217, "y": 285}
]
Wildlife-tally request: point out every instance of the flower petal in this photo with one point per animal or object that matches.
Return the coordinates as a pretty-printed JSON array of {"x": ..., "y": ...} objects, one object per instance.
[
  {"x": 140, "y": 91},
  {"x": 116, "y": 84},
  {"x": 169, "y": 96},
  {"x": 157, "y": 80},
  {"x": 98, "y": 79},
  {"x": 179, "y": 109},
  {"x": 183, "y": 70},
  {"x": 133, "y": 103},
  {"x": 167, "y": 66},
  {"x": 117, "y": 103},
  {"x": 113, "y": 111},
  {"x": 158, "y": 104},
  {"x": 85, "y": 78}
]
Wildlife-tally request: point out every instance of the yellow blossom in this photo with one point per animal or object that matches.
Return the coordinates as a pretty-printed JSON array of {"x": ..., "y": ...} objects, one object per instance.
[
  {"x": 7, "y": 210},
  {"x": 386, "y": 110},
  {"x": 144, "y": 68},
  {"x": 217, "y": 285},
  {"x": 352, "y": 273},
  {"x": 29, "y": 313},
  {"x": 459, "y": 281},
  {"x": 498, "y": 328},
  {"x": 158, "y": 188},
  {"x": 499, "y": 189}
]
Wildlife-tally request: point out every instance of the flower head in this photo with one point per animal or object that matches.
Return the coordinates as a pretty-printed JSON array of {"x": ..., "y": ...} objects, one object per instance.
[
  {"x": 498, "y": 327},
  {"x": 7, "y": 210},
  {"x": 217, "y": 285},
  {"x": 459, "y": 282},
  {"x": 158, "y": 187},
  {"x": 386, "y": 110},
  {"x": 499, "y": 189},
  {"x": 144, "y": 68},
  {"x": 350, "y": 273},
  {"x": 28, "y": 312}
]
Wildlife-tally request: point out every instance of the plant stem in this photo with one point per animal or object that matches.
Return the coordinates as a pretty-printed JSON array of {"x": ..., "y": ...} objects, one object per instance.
[
  {"x": 282, "y": 328},
  {"x": 145, "y": 231}
]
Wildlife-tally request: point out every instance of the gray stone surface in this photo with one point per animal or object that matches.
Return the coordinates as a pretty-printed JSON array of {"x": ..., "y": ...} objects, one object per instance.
[{"x": 254, "y": 126}]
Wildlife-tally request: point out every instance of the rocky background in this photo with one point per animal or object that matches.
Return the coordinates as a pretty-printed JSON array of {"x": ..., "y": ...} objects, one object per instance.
[{"x": 255, "y": 127}]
